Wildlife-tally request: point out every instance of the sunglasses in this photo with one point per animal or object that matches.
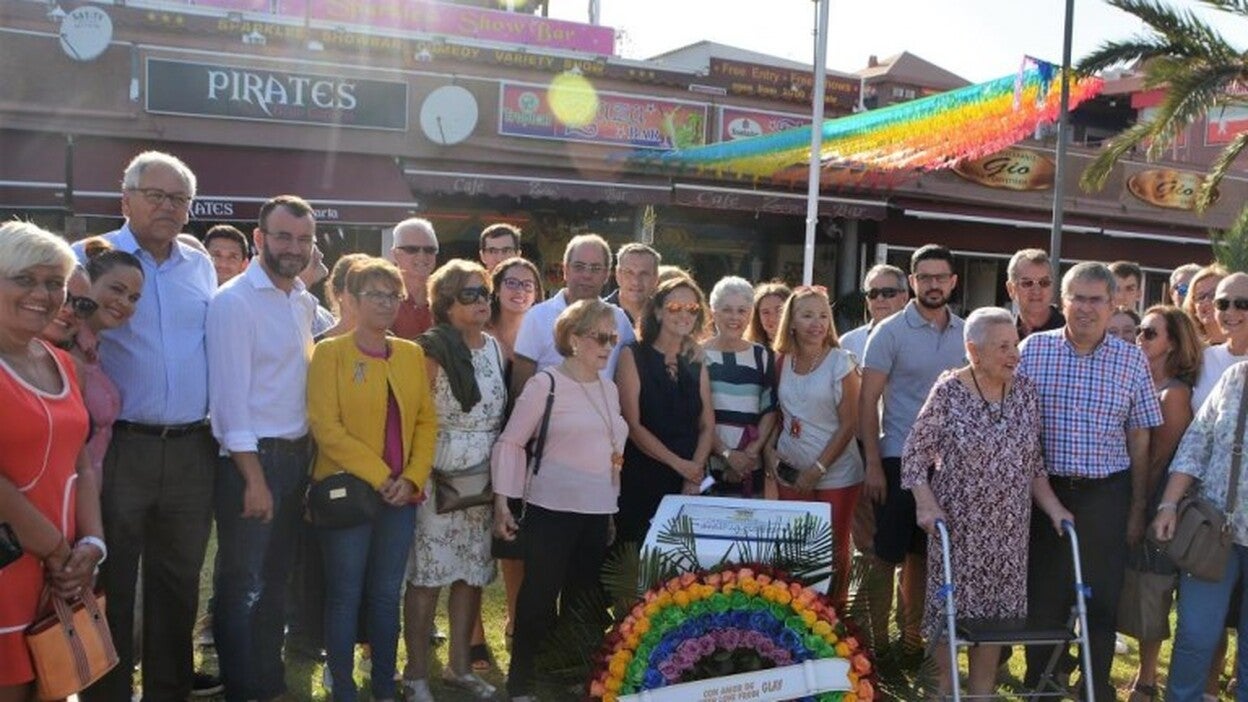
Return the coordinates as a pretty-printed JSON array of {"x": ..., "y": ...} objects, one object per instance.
[
  {"x": 604, "y": 338},
  {"x": 83, "y": 307},
  {"x": 1147, "y": 332},
  {"x": 886, "y": 293},
  {"x": 412, "y": 249},
  {"x": 1028, "y": 283},
  {"x": 690, "y": 307},
  {"x": 1181, "y": 289},
  {"x": 1224, "y": 303},
  {"x": 468, "y": 296}
]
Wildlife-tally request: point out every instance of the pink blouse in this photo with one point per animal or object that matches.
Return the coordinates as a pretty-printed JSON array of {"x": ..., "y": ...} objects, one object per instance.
[
  {"x": 103, "y": 401},
  {"x": 576, "y": 473}
]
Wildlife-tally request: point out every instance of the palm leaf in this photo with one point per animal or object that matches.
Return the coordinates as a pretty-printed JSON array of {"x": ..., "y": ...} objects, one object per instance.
[
  {"x": 1218, "y": 169},
  {"x": 1230, "y": 246}
]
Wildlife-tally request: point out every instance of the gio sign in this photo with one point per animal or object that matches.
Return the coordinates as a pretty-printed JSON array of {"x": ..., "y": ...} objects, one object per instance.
[{"x": 233, "y": 92}]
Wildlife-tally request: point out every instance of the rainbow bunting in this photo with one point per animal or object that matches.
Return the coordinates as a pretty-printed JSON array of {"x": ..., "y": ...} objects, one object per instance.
[{"x": 922, "y": 135}]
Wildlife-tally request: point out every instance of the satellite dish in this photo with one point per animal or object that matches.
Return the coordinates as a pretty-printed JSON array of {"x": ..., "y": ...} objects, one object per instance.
[{"x": 448, "y": 115}]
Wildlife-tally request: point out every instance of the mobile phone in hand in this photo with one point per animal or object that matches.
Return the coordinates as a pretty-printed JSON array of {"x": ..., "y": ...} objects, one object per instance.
[
  {"x": 10, "y": 549},
  {"x": 787, "y": 473}
]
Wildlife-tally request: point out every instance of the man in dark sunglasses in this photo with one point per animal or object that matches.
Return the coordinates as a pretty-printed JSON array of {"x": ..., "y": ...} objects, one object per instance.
[
  {"x": 415, "y": 252},
  {"x": 1029, "y": 283},
  {"x": 886, "y": 291}
]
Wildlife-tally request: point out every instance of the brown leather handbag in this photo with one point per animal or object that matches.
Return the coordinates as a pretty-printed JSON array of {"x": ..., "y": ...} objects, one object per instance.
[{"x": 71, "y": 646}]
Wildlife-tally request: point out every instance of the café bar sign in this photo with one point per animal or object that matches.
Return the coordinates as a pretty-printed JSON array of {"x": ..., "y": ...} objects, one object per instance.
[
  {"x": 235, "y": 92},
  {"x": 621, "y": 120},
  {"x": 1014, "y": 168}
]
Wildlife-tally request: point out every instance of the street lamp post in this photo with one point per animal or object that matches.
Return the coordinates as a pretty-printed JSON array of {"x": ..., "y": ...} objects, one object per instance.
[
  {"x": 1063, "y": 126},
  {"x": 816, "y": 141}
]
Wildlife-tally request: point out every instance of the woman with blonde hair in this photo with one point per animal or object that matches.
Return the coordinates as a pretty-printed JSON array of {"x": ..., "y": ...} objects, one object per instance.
[
  {"x": 336, "y": 289},
  {"x": 1199, "y": 302}
]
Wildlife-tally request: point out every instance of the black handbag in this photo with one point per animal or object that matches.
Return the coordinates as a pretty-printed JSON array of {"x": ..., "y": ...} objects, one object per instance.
[
  {"x": 341, "y": 501},
  {"x": 514, "y": 549}
]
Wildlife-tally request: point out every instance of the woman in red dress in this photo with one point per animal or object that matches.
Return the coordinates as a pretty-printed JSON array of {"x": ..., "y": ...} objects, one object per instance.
[{"x": 48, "y": 495}]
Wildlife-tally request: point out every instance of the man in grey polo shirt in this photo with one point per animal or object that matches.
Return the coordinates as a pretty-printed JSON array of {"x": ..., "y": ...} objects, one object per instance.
[{"x": 904, "y": 356}]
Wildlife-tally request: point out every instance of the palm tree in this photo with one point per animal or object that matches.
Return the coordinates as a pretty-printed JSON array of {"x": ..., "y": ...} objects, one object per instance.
[{"x": 1201, "y": 71}]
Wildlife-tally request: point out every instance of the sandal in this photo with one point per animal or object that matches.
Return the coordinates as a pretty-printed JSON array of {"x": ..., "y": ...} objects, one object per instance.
[
  {"x": 480, "y": 658},
  {"x": 1144, "y": 692}
]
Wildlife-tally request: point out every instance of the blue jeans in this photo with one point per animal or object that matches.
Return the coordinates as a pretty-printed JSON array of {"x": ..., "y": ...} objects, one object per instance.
[
  {"x": 365, "y": 565},
  {"x": 1202, "y": 612},
  {"x": 254, "y": 562}
]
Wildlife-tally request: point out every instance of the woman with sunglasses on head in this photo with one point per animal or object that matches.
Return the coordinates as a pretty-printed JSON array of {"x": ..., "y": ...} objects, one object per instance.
[
  {"x": 743, "y": 391},
  {"x": 49, "y": 498},
  {"x": 517, "y": 286},
  {"x": 465, "y": 370},
  {"x": 373, "y": 417},
  {"x": 567, "y": 505},
  {"x": 768, "y": 301},
  {"x": 1169, "y": 341},
  {"x": 665, "y": 395},
  {"x": 813, "y": 456},
  {"x": 1199, "y": 302}
]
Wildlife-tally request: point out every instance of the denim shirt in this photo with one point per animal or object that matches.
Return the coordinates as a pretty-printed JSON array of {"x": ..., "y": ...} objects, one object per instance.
[{"x": 1206, "y": 449}]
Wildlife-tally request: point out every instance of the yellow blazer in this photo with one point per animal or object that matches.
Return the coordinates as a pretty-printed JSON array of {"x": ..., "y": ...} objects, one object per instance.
[{"x": 347, "y": 400}]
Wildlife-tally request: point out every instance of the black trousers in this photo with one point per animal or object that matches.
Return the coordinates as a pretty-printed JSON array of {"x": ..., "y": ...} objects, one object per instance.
[
  {"x": 156, "y": 504},
  {"x": 1100, "y": 508},
  {"x": 563, "y": 556}
]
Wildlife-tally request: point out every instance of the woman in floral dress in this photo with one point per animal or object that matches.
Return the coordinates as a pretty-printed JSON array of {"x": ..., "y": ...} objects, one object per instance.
[
  {"x": 979, "y": 435},
  {"x": 465, "y": 367}
]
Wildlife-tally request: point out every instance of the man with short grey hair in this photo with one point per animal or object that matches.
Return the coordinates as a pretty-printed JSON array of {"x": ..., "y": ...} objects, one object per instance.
[
  {"x": 157, "y": 492},
  {"x": 415, "y": 252},
  {"x": 1029, "y": 283},
  {"x": 636, "y": 275},
  {"x": 586, "y": 265},
  {"x": 885, "y": 289},
  {"x": 1097, "y": 404},
  {"x": 1179, "y": 280}
]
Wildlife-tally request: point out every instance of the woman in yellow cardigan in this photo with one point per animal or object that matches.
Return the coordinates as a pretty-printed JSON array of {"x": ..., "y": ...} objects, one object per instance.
[{"x": 372, "y": 416}]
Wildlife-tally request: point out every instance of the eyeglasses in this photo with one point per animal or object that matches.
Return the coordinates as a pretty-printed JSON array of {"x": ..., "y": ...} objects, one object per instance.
[
  {"x": 377, "y": 297},
  {"x": 1089, "y": 300},
  {"x": 582, "y": 267},
  {"x": 499, "y": 250},
  {"x": 1181, "y": 289},
  {"x": 938, "y": 278},
  {"x": 1028, "y": 283},
  {"x": 1224, "y": 303},
  {"x": 157, "y": 197},
  {"x": 690, "y": 307},
  {"x": 412, "y": 250},
  {"x": 83, "y": 307},
  {"x": 604, "y": 338},
  {"x": 468, "y": 296},
  {"x": 886, "y": 293},
  {"x": 518, "y": 284},
  {"x": 1147, "y": 332}
]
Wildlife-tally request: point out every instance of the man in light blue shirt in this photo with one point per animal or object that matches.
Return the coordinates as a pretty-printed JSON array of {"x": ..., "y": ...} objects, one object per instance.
[{"x": 156, "y": 499}]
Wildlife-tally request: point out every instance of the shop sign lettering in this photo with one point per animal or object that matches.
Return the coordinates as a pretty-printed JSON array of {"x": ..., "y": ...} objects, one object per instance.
[
  {"x": 1162, "y": 187},
  {"x": 1011, "y": 169},
  {"x": 621, "y": 120},
  {"x": 235, "y": 92}
]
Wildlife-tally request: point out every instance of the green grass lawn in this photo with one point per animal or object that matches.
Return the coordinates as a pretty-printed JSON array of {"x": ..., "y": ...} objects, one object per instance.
[{"x": 304, "y": 677}]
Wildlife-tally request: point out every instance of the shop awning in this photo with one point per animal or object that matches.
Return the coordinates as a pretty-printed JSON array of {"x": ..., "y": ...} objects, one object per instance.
[
  {"x": 343, "y": 188},
  {"x": 32, "y": 170},
  {"x": 538, "y": 187},
  {"x": 773, "y": 201}
]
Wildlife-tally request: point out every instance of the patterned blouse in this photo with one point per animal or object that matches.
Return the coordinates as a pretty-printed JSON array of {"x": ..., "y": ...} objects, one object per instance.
[{"x": 1205, "y": 452}]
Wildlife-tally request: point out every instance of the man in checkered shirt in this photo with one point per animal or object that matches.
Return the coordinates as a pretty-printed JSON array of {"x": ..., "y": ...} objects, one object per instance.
[{"x": 1097, "y": 403}]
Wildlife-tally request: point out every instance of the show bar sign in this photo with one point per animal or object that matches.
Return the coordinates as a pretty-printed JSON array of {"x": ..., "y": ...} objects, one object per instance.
[
  {"x": 234, "y": 92},
  {"x": 622, "y": 120},
  {"x": 736, "y": 123},
  {"x": 756, "y": 80}
]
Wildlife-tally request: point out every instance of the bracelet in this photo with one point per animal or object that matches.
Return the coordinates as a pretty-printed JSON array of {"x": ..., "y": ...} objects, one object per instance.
[
  {"x": 1167, "y": 505},
  {"x": 96, "y": 542},
  {"x": 823, "y": 470}
]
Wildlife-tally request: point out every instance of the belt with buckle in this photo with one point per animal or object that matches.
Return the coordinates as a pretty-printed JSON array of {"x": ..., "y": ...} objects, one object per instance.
[
  {"x": 1076, "y": 482},
  {"x": 162, "y": 431}
]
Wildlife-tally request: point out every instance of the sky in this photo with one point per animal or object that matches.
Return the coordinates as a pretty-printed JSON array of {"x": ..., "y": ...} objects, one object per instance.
[{"x": 976, "y": 39}]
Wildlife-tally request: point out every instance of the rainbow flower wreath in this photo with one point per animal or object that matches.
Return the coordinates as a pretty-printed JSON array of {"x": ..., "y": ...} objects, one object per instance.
[{"x": 732, "y": 619}]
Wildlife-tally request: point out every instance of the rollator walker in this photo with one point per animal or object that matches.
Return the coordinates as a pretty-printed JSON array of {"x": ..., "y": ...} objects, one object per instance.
[{"x": 968, "y": 633}]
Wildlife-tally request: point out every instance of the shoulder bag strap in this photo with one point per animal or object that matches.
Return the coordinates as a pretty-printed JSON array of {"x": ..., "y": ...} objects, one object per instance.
[
  {"x": 538, "y": 447},
  {"x": 1237, "y": 449}
]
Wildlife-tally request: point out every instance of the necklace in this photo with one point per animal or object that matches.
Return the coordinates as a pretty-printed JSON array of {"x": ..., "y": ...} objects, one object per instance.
[
  {"x": 813, "y": 364},
  {"x": 617, "y": 458},
  {"x": 1000, "y": 413}
]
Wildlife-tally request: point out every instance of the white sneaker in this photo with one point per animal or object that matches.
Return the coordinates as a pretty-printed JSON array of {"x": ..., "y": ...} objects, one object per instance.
[{"x": 417, "y": 690}]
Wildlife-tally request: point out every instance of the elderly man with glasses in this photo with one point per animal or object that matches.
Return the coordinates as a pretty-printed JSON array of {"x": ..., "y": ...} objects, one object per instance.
[
  {"x": 886, "y": 291},
  {"x": 415, "y": 252},
  {"x": 1029, "y": 282}
]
